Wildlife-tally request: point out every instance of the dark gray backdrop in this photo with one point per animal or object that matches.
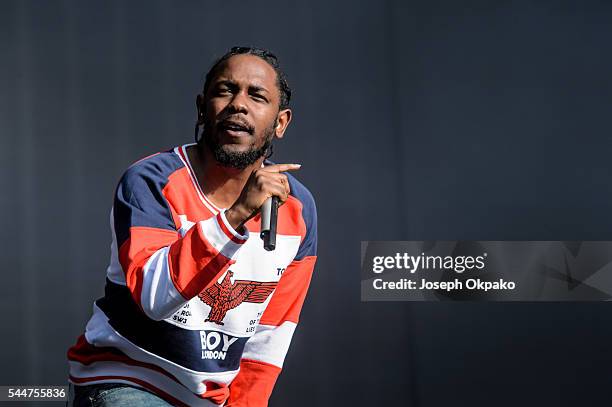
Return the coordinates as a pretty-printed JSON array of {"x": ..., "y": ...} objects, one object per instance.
[{"x": 413, "y": 121}]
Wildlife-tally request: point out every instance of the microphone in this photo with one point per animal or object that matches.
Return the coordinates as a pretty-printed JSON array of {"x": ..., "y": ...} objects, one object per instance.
[{"x": 269, "y": 216}]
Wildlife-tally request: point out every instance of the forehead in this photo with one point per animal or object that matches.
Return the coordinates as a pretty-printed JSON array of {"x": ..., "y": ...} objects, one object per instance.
[{"x": 248, "y": 70}]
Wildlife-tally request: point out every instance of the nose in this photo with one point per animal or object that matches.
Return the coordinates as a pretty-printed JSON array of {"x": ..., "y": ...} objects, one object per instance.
[{"x": 238, "y": 103}]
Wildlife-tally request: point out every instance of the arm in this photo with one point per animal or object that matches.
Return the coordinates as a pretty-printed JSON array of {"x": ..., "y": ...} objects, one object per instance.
[
  {"x": 163, "y": 269},
  {"x": 265, "y": 351}
]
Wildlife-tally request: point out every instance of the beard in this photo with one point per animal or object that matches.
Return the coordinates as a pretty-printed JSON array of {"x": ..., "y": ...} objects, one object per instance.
[{"x": 236, "y": 159}]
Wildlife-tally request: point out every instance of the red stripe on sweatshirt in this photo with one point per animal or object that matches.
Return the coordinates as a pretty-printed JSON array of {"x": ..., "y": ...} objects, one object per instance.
[
  {"x": 288, "y": 298},
  {"x": 253, "y": 385},
  {"x": 134, "y": 253},
  {"x": 86, "y": 354},
  {"x": 227, "y": 232},
  {"x": 195, "y": 264}
]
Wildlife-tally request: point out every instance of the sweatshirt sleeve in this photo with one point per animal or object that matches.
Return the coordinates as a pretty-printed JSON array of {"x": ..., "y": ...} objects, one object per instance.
[
  {"x": 164, "y": 269},
  {"x": 265, "y": 351}
]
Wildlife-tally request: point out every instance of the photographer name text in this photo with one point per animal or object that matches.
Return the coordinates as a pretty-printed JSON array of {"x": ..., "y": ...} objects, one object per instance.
[{"x": 422, "y": 262}]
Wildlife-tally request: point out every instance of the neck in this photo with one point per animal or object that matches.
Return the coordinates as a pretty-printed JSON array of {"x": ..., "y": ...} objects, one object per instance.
[{"x": 221, "y": 185}]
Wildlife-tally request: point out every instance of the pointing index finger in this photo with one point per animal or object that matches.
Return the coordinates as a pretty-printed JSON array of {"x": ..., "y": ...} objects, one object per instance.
[{"x": 282, "y": 167}]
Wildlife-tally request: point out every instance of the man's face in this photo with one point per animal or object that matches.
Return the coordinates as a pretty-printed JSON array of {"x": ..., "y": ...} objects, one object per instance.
[{"x": 240, "y": 111}]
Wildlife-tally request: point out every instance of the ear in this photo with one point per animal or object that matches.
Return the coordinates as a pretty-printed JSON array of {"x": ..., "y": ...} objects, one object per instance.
[
  {"x": 200, "y": 107},
  {"x": 282, "y": 121}
]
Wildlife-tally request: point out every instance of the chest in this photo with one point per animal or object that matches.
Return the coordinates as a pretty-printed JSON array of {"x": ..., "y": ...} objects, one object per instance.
[{"x": 237, "y": 298}]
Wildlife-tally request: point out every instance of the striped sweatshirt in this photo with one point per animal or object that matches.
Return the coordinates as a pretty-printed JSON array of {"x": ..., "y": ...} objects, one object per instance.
[{"x": 194, "y": 311}]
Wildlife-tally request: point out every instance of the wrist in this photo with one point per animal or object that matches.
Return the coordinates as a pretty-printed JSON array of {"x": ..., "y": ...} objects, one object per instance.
[{"x": 235, "y": 219}]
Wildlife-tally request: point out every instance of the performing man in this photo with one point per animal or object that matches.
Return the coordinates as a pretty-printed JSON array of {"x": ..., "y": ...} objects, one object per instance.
[{"x": 196, "y": 312}]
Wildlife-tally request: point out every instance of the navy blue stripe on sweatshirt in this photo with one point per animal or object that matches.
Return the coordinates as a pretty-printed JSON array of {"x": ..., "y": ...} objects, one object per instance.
[
  {"x": 308, "y": 247},
  {"x": 178, "y": 345},
  {"x": 139, "y": 200}
]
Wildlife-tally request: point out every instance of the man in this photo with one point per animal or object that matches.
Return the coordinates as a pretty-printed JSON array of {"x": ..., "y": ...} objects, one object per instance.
[{"x": 196, "y": 312}]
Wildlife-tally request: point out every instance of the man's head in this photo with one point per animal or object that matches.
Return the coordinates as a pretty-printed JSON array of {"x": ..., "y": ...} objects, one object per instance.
[{"x": 244, "y": 105}]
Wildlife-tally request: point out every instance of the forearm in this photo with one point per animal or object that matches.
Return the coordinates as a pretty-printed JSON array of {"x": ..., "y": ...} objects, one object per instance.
[{"x": 176, "y": 272}]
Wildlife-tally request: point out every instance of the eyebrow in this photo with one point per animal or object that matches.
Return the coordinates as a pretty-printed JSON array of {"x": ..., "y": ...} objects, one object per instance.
[
  {"x": 258, "y": 88},
  {"x": 232, "y": 84}
]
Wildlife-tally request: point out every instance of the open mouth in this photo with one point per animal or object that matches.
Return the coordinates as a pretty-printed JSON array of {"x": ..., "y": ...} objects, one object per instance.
[{"x": 234, "y": 127}]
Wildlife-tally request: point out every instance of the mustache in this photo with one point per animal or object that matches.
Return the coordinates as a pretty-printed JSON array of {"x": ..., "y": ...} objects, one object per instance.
[{"x": 236, "y": 121}]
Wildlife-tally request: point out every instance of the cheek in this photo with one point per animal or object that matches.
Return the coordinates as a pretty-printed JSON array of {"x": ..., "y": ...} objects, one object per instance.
[
  {"x": 213, "y": 108},
  {"x": 265, "y": 118}
]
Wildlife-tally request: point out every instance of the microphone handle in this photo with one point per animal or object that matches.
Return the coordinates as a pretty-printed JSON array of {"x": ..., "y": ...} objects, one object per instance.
[{"x": 269, "y": 217}]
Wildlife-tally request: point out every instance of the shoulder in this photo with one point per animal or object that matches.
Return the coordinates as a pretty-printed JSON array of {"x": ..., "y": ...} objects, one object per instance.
[
  {"x": 304, "y": 196},
  {"x": 149, "y": 173},
  {"x": 156, "y": 166},
  {"x": 308, "y": 246},
  {"x": 139, "y": 198}
]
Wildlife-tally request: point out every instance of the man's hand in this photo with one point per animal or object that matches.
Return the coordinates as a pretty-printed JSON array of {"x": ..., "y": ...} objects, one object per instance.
[{"x": 261, "y": 185}]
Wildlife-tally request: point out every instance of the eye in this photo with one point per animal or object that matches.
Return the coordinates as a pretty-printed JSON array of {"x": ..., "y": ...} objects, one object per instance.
[
  {"x": 222, "y": 89},
  {"x": 259, "y": 97}
]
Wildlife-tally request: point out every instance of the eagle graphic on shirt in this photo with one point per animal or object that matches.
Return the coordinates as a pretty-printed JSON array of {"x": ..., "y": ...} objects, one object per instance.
[{"x": 224, "y": 296}]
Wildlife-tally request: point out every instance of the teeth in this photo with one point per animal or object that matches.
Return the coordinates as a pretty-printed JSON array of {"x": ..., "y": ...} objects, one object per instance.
[{"x": 231, "y": 127}]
